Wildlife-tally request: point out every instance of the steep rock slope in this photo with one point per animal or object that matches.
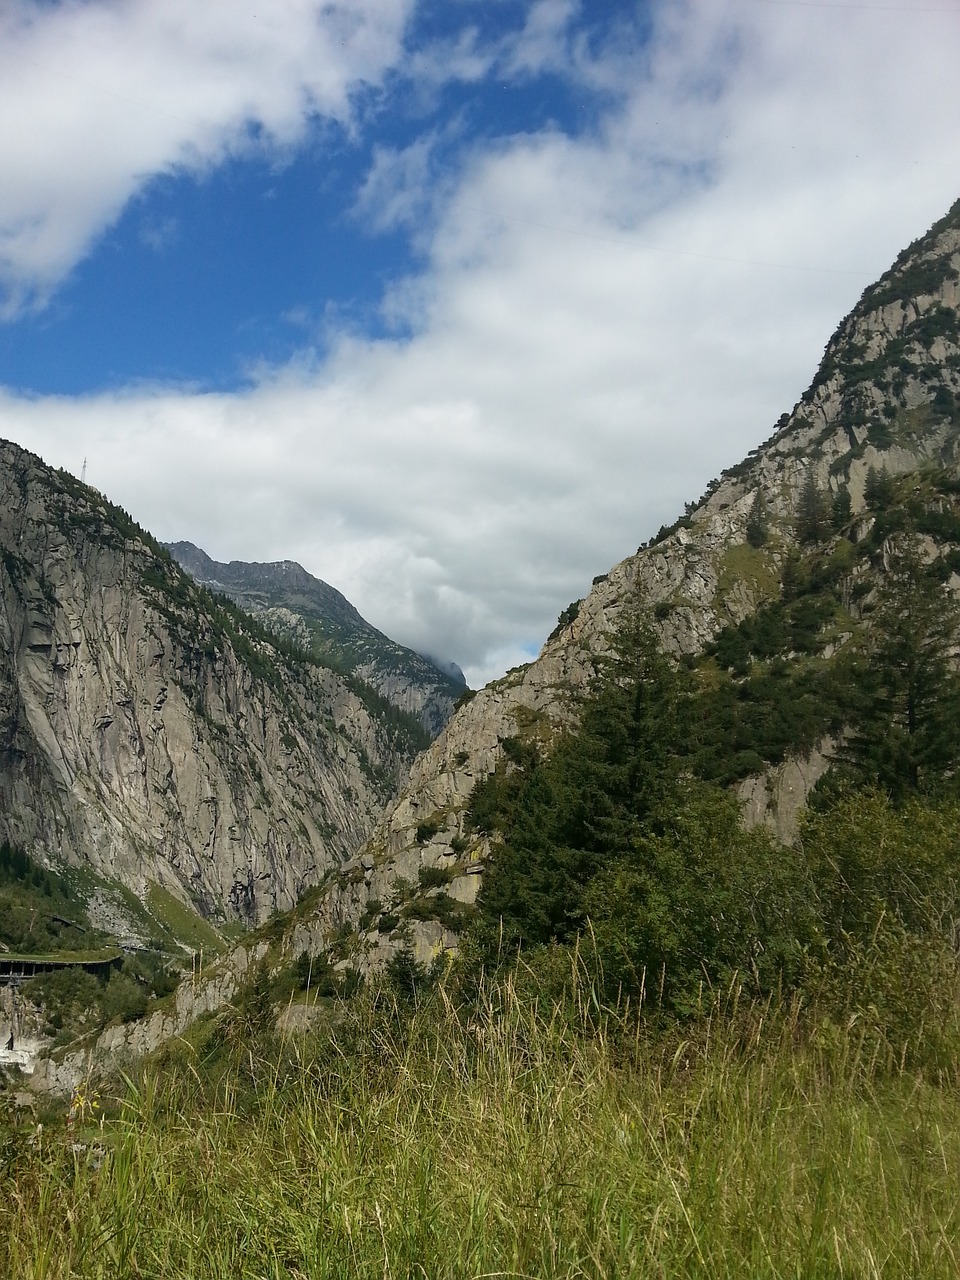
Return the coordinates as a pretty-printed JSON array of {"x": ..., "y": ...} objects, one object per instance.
[
  {"x": 885, "y": 400},
  {"x": 290, "y": 601},
  {"x": 149, "y": 733}
]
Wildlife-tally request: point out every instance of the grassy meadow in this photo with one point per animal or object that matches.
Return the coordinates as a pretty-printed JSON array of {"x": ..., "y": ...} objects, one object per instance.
[{"x": 500, "y": 1139}]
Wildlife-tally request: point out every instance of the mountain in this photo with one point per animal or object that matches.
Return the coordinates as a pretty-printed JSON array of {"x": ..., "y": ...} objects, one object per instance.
[
  {"x": 293, "y": 603},
  {"x": 156, "y": 739},
  {"x": 808, "y": 580},
  {"x": 761, "y": 591}
]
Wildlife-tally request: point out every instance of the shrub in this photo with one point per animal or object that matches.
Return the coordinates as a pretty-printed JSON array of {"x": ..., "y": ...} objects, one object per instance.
[
  {"x": 427, "y": 829},
  {"x": 432, "y": 878}
]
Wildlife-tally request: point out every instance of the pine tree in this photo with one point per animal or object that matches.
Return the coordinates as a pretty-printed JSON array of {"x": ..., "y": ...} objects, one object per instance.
[
  {"x": 909, "y": 735},
  {"x": 758, "y": 521},
  {"x": 560, "y": 819},
  {"x": 878, "y": 489},
  {"x": 840, "y": 509},
  {"x": 813, "y": 518}
]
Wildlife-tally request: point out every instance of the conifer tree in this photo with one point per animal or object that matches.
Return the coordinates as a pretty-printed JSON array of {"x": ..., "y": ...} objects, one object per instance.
[
  {"x": 878, "y": 489},
  {"x": 813, "y": 517},
  {"x": 840, "y": 509},
  {"x": 561, "y": 818},
  {"x": 909, "y": 735},
  {"x": 758, "y": 521}
]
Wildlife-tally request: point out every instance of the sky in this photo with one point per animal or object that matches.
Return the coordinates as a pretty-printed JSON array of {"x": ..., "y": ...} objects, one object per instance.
[{"x": 455, "y": 302}]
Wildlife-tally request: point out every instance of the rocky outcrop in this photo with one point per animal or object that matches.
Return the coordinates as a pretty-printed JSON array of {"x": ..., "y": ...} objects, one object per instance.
[
  {"x": 22, "y": 1038},
  {"x": 886, "y": 397},
  {"x": 149, "y": 733},
  {"x": 302, "y": 608}
]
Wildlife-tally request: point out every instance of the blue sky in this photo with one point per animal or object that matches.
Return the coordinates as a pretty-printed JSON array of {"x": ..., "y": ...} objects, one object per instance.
[
  {"x": 203, "y": 276},
  {"x": 455, "y": 302}
]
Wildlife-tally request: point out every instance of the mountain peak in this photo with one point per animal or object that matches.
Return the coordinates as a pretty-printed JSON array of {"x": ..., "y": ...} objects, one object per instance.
[{"x": 316, "y": 616}]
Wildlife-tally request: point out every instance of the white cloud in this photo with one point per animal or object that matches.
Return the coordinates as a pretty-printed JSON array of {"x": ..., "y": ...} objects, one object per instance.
[
  {"x": 440, "y": 61},
  {"x": 602, "y": 325},
  {"x": 402, "y": 188},
  {"x": 97, "y": 97},
  {"x": 159, "y": 234},
  {"x": 542, "y": 43}
]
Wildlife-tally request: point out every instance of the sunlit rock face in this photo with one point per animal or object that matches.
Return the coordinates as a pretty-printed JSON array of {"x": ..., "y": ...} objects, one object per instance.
[{"x": 148, "y": 733}]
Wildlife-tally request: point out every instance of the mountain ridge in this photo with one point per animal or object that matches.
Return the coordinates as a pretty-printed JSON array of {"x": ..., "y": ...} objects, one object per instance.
[
  {"x": 884, "y": 400},
  {"x": 293, "y": 603}
]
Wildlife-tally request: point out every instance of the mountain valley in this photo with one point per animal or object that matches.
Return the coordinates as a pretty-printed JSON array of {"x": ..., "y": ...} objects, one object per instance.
[{"x": 162, "y": 739}]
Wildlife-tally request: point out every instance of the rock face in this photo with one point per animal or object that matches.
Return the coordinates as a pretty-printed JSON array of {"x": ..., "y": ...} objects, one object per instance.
[
  {"x": 315, "y": 615},
  {"x": 886, "y": 396},
  {"x": 149, "y": 733},
  {"x": 21, "y": 1031}
]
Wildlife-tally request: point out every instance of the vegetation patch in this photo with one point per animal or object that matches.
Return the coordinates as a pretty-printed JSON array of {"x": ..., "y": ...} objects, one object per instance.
[
  {"x": 744, "y": 563},
  {"x": 428, "y": 828},
  {"x": 760, "y": 1143},
  {"x": 181, "y": 924}
]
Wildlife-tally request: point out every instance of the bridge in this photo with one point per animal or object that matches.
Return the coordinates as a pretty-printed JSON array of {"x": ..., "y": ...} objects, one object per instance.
[{"x": 15, "y": 967}]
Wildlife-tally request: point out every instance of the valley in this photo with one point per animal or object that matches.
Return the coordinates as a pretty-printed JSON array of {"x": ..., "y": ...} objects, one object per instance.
[{"x": 682, "y": 891}]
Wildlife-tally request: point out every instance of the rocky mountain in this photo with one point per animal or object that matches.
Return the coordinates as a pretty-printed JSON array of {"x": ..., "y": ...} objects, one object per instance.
[
  {"x": 790, "y": 538},
  {"x": 155, "y": 738},
  {"x": 308, "y": 611},
  {"x": 761, "y": 592}
]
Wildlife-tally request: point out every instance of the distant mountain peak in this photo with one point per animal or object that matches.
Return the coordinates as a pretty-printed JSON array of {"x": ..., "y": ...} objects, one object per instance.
[{"x": 290, "y": 600}]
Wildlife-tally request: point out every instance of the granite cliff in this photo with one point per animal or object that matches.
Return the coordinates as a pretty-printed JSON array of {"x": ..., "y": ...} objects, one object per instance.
[{"x": 155, "y": 737}]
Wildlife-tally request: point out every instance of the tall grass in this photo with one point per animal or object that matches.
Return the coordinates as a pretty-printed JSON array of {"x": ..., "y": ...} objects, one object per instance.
[{"x": 509, "y": 1143}]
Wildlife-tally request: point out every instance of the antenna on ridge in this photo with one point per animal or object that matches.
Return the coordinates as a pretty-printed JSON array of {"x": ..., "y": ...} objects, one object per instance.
[{"x": 83, "y": 473}]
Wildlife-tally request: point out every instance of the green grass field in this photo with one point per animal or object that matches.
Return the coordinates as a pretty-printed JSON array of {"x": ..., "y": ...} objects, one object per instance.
[{"x": 505, "y": 1143}]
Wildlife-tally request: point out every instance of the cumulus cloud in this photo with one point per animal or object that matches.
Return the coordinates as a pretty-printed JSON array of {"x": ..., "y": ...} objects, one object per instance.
[
  {"x": 97, "y": 98},
  {"x": 601, "y": 325}
]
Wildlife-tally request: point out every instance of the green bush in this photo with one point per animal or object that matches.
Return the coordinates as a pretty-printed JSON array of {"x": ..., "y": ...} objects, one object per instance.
[
  {"x": 123, "y": 998},
  {"x": 698, "y": 905},
  {"x": 433, "y": 878}
]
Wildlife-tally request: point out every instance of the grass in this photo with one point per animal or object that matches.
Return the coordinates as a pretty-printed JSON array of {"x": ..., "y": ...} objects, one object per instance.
[
  {"x": 507, "y": 1143},
  {"x": 181, "y": 922},
  {"x": 743, "y": 564},
  {"x": 101, "y": 955}
]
